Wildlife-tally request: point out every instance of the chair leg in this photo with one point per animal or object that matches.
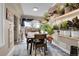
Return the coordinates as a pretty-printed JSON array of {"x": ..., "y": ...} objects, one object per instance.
[
  {"x": 27, "y": 46},
  {"x": 35, "y": 50},
  {"x": 33, "y": 46},
  {"x": 46, "y": 47},
  {"x": 27, "y": 43},
  {"x": 44, "y": 51}
]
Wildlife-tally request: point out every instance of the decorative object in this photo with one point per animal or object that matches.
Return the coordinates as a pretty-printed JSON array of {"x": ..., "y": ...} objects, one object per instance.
[
  {"x": 60, "y": 9},
  {"x": 9, "y": 15},
  {"x": 64, "y": 25},
  {"x": 71, "y": 6},
  {"x": 68, "y": 8}
]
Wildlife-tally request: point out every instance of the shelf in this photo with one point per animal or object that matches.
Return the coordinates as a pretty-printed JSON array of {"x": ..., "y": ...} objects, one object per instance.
[
  {"x": 67, "y": 14},
  {"x": 71, "y": 38}
]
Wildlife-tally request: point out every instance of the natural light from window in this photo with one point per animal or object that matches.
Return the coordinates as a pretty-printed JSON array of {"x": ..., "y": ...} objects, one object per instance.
[
  {"x": 33, "y": 24},
  {"x": 27, "y": 24}
]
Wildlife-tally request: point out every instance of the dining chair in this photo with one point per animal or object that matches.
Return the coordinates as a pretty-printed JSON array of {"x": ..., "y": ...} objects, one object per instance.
[
  {"x": 40, "y": 42},
  {"x": 30, "y": 36},
  {"x": 74, "y": 51}
]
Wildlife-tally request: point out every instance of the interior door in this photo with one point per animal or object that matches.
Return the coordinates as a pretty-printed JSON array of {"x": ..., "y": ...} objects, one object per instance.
[{"x": 15, "y": 29}]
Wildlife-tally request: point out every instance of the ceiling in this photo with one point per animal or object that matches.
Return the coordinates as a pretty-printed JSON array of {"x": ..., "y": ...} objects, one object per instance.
[{"x": 42, "y": 8}]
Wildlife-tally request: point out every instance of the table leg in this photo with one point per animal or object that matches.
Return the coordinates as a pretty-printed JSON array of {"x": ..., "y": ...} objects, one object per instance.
[{"x": 31, "y": 48}]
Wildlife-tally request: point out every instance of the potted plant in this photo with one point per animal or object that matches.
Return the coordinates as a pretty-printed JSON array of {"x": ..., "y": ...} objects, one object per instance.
[
  {"x": 75, "y": 32},
  {"x": 60, "y": 9},
  {"x": 68, "y": 7},
  {"x": 55, "y": 27},
  {"x": 47, "y": 28},
  {"x": 64, "y": 26},
  {"x": 74, "y": 5}
]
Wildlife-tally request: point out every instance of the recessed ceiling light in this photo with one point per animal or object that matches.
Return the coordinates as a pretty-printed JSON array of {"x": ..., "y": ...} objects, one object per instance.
[{"x": 35, "y": 9}]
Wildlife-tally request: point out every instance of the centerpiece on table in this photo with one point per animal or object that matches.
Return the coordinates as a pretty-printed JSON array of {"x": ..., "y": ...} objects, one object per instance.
[{"x": 46, "y": 28}]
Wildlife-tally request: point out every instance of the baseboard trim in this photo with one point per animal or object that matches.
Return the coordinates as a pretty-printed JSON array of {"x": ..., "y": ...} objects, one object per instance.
[{"x": 11, "y": 52}]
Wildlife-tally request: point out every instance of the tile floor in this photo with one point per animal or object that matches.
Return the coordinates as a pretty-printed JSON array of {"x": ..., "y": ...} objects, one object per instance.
[{"x": 21, "y": 50}]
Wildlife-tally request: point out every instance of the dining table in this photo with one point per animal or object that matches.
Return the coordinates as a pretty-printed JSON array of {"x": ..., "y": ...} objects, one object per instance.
[{"x": 31, "y": 36}]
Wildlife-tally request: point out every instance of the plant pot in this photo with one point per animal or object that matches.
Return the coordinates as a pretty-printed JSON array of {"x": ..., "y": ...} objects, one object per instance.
[{"x": 49, "y": 38}]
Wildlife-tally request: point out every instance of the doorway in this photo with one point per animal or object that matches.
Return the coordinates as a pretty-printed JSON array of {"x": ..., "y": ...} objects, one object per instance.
[{"x": 15, "y": 29}]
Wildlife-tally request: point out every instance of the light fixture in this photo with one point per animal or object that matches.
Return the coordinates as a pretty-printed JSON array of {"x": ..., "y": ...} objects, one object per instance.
[{"x": 35, "y": 9}]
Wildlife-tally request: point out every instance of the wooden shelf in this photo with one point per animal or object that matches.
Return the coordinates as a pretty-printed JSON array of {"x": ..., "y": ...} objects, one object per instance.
[{"x": 67, "y": 14}]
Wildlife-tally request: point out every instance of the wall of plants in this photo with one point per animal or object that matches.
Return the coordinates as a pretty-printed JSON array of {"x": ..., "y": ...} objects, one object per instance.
[
  {"x": 64, "y": 8},
  {"x": 66, "y": 25}
]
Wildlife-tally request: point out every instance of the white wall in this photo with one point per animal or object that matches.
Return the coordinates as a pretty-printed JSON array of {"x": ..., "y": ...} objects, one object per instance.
[{"x": 1, "y": 25}]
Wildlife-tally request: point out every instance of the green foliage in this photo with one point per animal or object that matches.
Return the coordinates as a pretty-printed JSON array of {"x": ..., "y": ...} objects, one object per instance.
[
  {"x": 55, "y": 27},
  {"x": 47, "y": 28},
  {"x": 72, "y": 5},
  {"x": 60, "y": 9},
  {"x": 75, "y": 23},
  {"x": 64, "y": 25},
  {"x": 46, "y": 16}
]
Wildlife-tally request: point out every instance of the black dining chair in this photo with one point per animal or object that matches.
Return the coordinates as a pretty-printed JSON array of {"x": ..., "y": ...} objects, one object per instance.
[
  {"x": 28, "y": 41},
  {"x": 74, "y": 51},
  {"x": 39, "y": 42}
]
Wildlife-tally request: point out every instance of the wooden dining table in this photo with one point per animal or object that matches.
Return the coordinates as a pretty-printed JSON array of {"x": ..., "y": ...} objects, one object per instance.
[
  {"x": 32, "y": 38},
  {"x": 30, "y": 35}
]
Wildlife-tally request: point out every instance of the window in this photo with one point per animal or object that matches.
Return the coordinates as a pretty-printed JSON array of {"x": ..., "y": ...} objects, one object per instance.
[
  {"x": 35, "y": 24},
  {"x": 27, "y": 24}
]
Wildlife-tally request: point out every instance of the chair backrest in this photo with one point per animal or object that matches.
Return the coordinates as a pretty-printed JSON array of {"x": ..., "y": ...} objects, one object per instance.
[
  {"x": 31, "y": 34},
  {"x": 74, "y": 51},
  {"x": 40, "y": 36}
]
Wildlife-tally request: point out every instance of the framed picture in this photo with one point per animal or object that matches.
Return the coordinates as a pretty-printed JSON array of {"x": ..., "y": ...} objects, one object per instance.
[{"x": 9, "y": 15}]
